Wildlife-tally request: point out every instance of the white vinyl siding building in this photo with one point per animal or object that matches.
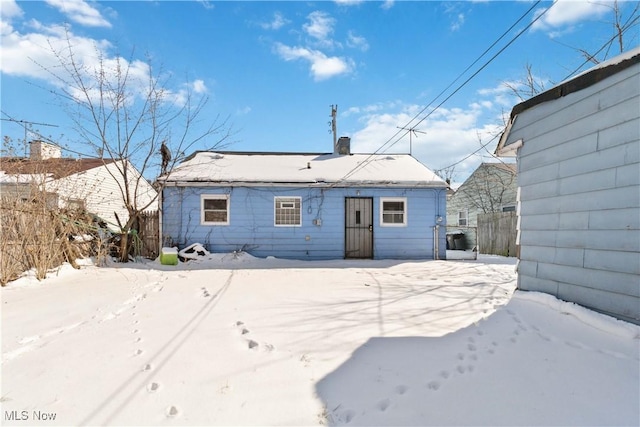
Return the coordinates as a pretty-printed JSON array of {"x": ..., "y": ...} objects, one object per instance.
[{"x": 578, "y": 153}]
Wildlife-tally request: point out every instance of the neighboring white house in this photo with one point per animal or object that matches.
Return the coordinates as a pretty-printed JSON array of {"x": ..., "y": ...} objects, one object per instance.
[
  {"x": 578, "y": 154},
  {"x": 93, "y": 184},
  {"x": 492, "y": 187}
]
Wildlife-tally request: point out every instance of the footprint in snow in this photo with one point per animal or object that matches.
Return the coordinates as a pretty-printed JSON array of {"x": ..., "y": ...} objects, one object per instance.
[
  {"x": 383, "y": 404},
  {"x": 147, "y": 367},
  {"x": 401, "y": 389},
  {"x": 434, "y": 385},
  {"x": 153, "y": 387},
  {"x": 172, "y": 412},
  {"x": 347, "y": 416}
]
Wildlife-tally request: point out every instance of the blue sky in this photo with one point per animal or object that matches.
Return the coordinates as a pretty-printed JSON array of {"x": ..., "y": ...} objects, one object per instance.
[{"x": 275, "y": 68}]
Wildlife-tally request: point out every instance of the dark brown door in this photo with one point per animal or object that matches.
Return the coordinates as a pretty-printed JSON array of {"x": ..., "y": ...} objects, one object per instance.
[{"x": 358, "y": 227}]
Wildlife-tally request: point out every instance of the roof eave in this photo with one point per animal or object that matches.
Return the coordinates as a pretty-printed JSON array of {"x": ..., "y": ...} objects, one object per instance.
[{"x": 314, "y": 184}]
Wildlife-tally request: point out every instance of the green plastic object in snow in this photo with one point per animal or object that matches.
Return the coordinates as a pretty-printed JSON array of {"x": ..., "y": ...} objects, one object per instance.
[{"x": 169, "y": 256}]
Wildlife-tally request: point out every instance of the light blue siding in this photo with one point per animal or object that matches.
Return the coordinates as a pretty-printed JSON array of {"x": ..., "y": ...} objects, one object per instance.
[
  {"x": 322, "y": 233},
  {"x": 579, "y": 178}
]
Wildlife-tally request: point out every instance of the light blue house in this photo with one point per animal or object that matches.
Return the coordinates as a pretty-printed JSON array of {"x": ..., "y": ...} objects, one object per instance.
[
  {"x": 306, "y": 206},
  {"x": 578, "y": 152}
]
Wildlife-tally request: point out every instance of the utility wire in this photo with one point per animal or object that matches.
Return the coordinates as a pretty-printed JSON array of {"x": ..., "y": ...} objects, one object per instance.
[
  {"x": 627, "y": 25},
  {"x": 368, "y": 159},
  {"x": 607, "y": 44}
]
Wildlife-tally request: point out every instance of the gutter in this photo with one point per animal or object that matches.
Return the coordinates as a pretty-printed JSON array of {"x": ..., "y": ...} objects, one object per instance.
[{"x": 312, "y": 184}]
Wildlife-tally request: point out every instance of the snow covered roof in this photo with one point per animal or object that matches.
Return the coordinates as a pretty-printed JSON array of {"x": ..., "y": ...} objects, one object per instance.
[{"x": 233, "y": 168}]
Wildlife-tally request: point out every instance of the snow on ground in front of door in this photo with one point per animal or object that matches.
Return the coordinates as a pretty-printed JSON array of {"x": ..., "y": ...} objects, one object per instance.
[{"x": 235, "y": 340}]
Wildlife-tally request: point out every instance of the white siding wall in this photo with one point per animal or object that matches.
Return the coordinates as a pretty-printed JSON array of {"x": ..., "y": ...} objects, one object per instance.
[
  {"x": 100, "y": 191},
  {"x": 579, "y": 174},
  {"x": 488, "y": 189}
]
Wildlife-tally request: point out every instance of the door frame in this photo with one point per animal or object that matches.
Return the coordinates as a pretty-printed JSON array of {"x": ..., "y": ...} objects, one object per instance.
[{"x": 369, "y": 228}]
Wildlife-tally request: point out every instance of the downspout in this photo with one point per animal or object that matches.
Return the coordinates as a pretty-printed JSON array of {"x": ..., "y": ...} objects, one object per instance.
[{"x": 436, "y": 235}]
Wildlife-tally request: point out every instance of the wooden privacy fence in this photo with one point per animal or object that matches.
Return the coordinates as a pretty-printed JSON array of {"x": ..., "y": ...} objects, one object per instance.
[
  {"x": 497, "y": 233},
  {"x": 149, "y": 234}
]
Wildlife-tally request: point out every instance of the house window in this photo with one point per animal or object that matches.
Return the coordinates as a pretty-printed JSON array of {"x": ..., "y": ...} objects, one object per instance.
[
  {"x": 214, "y": 209},
  {"x": 511, "y": 208},
  {"x": 288, "y": 211},
  {"x": 393, "y": 211},
  {"x": 462, "y": 218}
]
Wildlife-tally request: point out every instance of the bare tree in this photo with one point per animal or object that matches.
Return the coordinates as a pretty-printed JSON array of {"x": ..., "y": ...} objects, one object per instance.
[
  {"x": 622, "y": 22},
  {"x": 488, "y": 190},
  {"x": 125, "y": 113},
  {"x": 527, "y": 87},
  {"x": 448, "y": 173}
]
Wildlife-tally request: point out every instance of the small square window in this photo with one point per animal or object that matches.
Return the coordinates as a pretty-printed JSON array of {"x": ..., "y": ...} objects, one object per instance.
[
  {"x": 288, "y": 211},
  {"x": 214, "y": 209},
  {"x": 393, "y": 212}
]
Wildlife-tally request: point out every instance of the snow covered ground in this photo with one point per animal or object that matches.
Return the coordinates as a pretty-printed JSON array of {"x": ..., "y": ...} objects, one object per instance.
[{"x": 235, "y": 340}]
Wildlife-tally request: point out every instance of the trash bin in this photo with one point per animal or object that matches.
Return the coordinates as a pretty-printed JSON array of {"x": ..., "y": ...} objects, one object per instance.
[{"x": 456, "y": 241}]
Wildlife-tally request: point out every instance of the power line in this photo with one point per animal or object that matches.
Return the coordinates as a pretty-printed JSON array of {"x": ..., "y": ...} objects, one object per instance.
[
  {"x": 607, "y": 44},
  {"x": 369, "y": 158},
  {"x": 627, "y": 25}
]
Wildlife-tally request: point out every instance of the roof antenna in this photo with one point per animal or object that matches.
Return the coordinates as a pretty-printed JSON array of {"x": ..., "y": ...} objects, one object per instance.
[
  {"x": 24, "y": 124},
  {"x": 412, "y": 131}
]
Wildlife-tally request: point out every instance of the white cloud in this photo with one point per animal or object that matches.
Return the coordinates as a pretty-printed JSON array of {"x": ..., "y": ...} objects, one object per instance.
[
  {"x": 37, "y": 55},
  {"x": 206, "y": 4},
  {"x": 10, "y": 9},
  {"x": 322, "y": 66},
  {"x": 387, "y": 4},
  {"x": 357, "y": 42},
  {"x": 198, "y": 86},
  {"x": 243, "y": 111},
  {"x": 451, "y": 134},
  {"x": 458, "y": 22},
  {"x": 276, "y": 23},
  {"x": 320, "y": 25},
  {"x": 349, "y": 2},
  {"x": 564, "y": 14},
  {"x": 81, "y": 12},
  {"x": 31, "y": 54}
]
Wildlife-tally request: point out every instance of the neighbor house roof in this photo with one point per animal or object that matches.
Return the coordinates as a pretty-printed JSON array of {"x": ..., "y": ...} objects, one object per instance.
[
  {"x": 575, "y": 84},
  {"x": 229, "y": 168},
  {"x": 56, "y": 167}
]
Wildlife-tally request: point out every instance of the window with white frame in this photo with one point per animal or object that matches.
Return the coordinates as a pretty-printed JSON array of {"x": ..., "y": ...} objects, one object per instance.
[
  {"x": 288, "y": 211},
  {"x": 393, "y": 211},
  {"x": 214, "y": 209},
  {"x": 462, "y": 218}
]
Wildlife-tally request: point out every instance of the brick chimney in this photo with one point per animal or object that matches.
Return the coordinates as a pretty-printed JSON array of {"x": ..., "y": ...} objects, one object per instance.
[
  {"x": 343, "y": 146},
  {"x": 41, "y": 150}
]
